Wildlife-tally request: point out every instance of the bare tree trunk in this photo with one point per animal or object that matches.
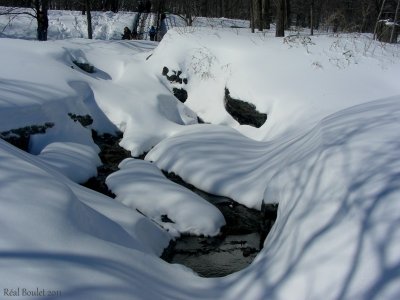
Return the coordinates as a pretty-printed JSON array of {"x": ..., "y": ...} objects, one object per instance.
[
  {"x": 280, "y": 19},
  {"x": 288, "y": 12},
  {"x": 259, "y": 15},
  {"x": 312, "y": 17},
  {"x": 265, "y": 14},
  {"x": 42, "y": 7},
  {"x": 395, "y": 23},
  {"x": 89, "y": 20},
  {"x": 204, "y": 8},
  {"x": 252, "y": 21}
]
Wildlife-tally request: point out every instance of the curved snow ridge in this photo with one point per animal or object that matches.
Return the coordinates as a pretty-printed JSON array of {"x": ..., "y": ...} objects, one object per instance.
[
  {"x": 141, "y": 185},
  {"x": 76, "y": 161},
  {"x": 221, "y": 161}
]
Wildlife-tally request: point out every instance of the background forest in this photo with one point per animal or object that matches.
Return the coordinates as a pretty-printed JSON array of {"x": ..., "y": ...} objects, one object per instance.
[{"x": 336, "y": 15}]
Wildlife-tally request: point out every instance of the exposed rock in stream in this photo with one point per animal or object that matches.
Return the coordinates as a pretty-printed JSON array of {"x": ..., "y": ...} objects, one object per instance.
[
  {"x": 243, "y": 112},
  {"x": 180, "y": 93},
  {"x": 84, "y": 120},
  {"x": 19, "y": 137}
]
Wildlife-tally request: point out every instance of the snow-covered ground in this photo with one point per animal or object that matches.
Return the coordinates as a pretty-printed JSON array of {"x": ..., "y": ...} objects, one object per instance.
[{"x": 328, "y": 153}]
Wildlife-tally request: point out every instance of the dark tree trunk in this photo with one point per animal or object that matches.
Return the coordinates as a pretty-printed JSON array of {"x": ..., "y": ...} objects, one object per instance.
[
  {"x": 288, "y": 13},
  {"x": 204, "y": 8},
  {"x": 312, "y": 17},
  {"x": 114, "y": 6},
  {"x": 280, "y": 18},
  {"x": 266, "y": 14},
  {"x": 252, "y": 21},
  {"x": 259, "y": 14},
  {"x": 42, "y": 7},
  {"x": 89, "y": 20}
]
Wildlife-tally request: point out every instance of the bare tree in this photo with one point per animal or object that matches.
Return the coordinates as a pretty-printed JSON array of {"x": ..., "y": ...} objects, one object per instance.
[
  {"x": 252, "y": 16},
  {"x": 280, "y": 18},
  {"x": 312, "y": 17},
  {"x": 258, "y": 14},
  {"x": 187, "y": 10},
  {"x": 89, "y": 19},
  {"x": 36, "y": 9},
  {"x": 266, "y": 13}
]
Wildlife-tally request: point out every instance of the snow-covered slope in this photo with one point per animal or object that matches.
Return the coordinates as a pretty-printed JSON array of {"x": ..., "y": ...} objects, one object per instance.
[
  {"x": 299, "y": 78},
  {"x": 328, "y": 154}
]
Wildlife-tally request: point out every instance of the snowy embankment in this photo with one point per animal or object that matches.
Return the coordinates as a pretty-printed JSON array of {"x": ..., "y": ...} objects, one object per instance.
[{"x": 328, "y": 154}]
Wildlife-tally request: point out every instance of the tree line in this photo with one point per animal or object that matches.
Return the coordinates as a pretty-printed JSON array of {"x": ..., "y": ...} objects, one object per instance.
[{"x": 330, "y": 15}]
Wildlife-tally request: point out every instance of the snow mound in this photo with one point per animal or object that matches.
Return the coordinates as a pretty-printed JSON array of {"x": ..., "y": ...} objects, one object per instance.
[
  {"x": 141, "y": 185},
  {"x": 76, "y": 161}
]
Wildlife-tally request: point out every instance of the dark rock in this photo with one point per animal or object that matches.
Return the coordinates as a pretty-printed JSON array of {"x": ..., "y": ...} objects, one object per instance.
[
  {"x": 98, "y": 184},
  {"x": 84, "y": 66},
  {"x": 174, "y": 78},
  {"x": 165, "y": 71},
  {"x": 85, "y": 120},
  {"x": 269, "y": 214},
  {"x": 249, "y": 251},
  {"x": 165, "y": 219},
  {"x": 180, "y": 94},
  {"x": 20, "y": 137},
  {"x": 243, "y": 112}
]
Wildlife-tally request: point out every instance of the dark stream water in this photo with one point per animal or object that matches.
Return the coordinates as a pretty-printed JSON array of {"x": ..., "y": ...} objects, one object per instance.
[{"x": 233, "y": 249}]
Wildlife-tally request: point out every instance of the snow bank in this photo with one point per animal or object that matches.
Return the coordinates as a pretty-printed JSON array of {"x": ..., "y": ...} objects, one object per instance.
[
  {"x": 298, "y": 78},
  {"x": 141, "y": 185}
]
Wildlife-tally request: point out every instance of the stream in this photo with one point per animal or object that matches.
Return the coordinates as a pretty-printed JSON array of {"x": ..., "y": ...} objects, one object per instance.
[{"x": 237, "y": 245}]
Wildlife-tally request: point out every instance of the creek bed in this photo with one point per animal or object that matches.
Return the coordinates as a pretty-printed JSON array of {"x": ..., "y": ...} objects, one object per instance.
[{"x": 232, "y": 250}]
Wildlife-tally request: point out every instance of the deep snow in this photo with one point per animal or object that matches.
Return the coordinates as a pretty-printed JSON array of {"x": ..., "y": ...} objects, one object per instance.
[{"x": 328, "y": 154}]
